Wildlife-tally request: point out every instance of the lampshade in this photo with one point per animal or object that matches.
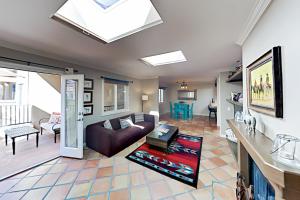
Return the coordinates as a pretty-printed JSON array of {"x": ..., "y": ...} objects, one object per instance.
[{"x": 145, "y": 97}]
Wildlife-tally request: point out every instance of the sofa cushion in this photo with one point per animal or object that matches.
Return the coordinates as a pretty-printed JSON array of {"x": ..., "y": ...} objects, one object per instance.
[
  {"x": 50, "y": 127},
  {"x": 125, "y": 137},
  {"x": 107, "y": 124},
  {"x": 139, "y": 117},
  {"x": 127, "y": 122},
  {"x": 146, "y": 127},
  {"x": 115, "y": 123},
  {"x": 55, "y": 118}
]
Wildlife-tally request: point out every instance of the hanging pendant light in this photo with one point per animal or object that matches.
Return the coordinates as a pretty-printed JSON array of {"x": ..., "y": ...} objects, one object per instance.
[{"x": 183, "y": 85}]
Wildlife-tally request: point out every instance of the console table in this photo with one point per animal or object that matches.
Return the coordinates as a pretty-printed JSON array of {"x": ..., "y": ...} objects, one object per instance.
[{"x": 284, "y": 179}]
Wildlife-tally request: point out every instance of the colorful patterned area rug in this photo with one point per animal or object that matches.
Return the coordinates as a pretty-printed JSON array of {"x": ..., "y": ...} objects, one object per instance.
[{"x": 180, "y": 163}]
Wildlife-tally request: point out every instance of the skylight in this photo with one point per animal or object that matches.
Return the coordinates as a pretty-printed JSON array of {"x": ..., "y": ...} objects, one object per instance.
[
  {"x": 164, "y": 59},
  {"x": 106, "y": 3},
  {"x": 109, "y": 20}
]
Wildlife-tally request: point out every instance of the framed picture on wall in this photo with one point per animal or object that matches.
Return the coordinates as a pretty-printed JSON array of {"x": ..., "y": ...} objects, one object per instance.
[
  {"x": 88, "y": 109},
  {"x": 88, "y": 97},
  {"x": 264, "y": 84},
  {"x": 88, "y": 84}
]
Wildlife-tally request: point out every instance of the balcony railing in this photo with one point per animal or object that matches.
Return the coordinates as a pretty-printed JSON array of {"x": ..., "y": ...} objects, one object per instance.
[{"x": 11, "y": 114}]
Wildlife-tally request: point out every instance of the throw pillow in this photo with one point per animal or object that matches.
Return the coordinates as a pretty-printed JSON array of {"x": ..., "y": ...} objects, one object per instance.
[
  {"x": 126, "y": 122},
  {"x": 55, "y": 118},
  {"x": 107, "y": 125},
  {"x": 139, "y": 117}
]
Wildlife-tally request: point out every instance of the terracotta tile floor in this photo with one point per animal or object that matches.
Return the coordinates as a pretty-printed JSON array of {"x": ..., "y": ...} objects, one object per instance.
[{"x": 99, "y": 177}]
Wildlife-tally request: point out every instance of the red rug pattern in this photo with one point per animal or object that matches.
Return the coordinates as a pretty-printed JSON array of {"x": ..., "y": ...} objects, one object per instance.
[{"x": 180, "y": 163}]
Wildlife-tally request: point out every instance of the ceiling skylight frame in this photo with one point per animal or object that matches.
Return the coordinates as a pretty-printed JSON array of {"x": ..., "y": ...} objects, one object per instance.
[
  {"x": 150, "y": 60},
  {"x": 72, "y": 24}
]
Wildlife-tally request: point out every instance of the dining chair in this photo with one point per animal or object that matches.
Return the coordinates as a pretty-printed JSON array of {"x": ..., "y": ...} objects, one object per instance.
[
  {"x": 171, "y": 110},
  {"x": 184, "y": 109},
  {"x": 191, "y": 111},
  {"x": 176, "y": 111}
]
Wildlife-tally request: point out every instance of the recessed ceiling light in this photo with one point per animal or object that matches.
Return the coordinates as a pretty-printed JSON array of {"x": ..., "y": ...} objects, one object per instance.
[
  {"x": 164, "y": 59},
  {"x": 109, "y": 20}
]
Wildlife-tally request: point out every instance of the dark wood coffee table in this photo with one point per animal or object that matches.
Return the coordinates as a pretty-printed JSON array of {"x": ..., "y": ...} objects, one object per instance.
[{"x": 162, "y": 140}]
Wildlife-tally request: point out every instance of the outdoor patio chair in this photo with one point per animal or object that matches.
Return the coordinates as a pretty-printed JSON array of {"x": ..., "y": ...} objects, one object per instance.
[{"x": 51, "y": 125}]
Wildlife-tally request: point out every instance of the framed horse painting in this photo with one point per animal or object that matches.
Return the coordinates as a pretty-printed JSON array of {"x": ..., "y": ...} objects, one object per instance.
[{"x": 264, "y": 84}]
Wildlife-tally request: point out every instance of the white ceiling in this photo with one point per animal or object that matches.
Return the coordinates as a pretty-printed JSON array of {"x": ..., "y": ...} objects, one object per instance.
[{"x": 205, "y": 30}]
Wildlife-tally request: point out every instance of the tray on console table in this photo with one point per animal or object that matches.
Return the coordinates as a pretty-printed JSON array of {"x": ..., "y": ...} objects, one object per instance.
[{"x": 284, "y": 179}]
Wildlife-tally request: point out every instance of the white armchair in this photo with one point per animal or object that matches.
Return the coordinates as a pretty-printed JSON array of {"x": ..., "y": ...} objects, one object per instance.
[{"x": 51, "y": 125}]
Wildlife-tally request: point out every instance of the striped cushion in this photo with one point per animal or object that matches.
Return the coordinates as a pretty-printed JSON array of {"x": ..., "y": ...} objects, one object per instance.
[
  {"x": 107, "y": 124},
  {"x": 139, "y": 117},
  {"x": 126, "y": 122}
]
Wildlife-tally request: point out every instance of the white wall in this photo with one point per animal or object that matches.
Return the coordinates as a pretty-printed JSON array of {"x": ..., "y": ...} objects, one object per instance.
[
  {"x": 225, "y": 109},
  {"x": 42, "y": 95},
  {"x": 150, "y": 88},
  {"x": 279, "y": 26},
  {"x": 205, "y": 93}
]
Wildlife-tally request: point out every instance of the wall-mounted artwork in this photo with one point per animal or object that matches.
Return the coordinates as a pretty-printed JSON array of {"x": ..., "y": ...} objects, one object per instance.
[
  {"x": 88, "y": 110},
  {"x": 88, "y": 97},
  {"x": 88, "y": 84},
  {"x": 264, "y": 85}
]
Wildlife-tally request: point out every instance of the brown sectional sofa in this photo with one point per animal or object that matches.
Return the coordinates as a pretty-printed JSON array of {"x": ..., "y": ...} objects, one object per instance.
[{"x": 109, "y": 142}]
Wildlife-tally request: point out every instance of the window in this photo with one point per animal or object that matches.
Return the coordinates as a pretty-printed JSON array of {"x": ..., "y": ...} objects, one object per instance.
[
  {"x": 161, "y": 95},
  {"x": 115, "y": 97},
  {"x": 109, "y": 97},
  {"x": 7, "y": 90},
  {"x": 121, "y": 90}
]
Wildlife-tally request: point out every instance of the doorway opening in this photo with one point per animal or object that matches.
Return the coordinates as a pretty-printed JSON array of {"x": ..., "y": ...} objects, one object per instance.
[{"x": 29, "y": 102}]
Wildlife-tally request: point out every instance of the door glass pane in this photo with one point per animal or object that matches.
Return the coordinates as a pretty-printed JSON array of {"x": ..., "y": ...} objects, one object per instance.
[
  {"x": 109, "y": 97},
  {"x": 71, "y": 115},
  {"x": 121, "y": 90}
]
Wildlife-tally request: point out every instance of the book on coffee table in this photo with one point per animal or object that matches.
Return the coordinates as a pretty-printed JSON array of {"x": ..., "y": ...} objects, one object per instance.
[{"x": 163, "y": 130}]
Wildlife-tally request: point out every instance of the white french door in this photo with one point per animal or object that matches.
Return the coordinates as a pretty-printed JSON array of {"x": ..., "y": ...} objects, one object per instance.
[{"x": 71, "y": 144}]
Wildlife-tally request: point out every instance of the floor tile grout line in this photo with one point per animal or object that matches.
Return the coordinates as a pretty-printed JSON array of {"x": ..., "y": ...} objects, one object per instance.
[
  {"x": 72, "y": 184},
  {"x": 147, "y": 183},
  {"x": 54, "y": 185},
  {"x": 94, "y": 180},
  {"x": 28, "y": 190},
  {"x": 26, "y": 176}
]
